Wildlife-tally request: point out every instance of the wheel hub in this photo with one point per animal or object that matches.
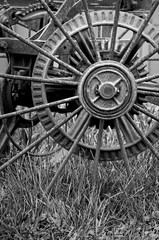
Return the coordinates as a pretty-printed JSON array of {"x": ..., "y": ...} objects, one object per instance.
[{"x": 107, "y": 90}]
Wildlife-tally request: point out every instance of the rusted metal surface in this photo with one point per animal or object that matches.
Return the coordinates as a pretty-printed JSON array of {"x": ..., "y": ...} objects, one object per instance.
[{"x": 13, "y": 46}]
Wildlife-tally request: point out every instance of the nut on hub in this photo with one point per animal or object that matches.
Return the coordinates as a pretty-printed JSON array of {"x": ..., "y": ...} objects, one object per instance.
[{"x": 107, "y": 90}]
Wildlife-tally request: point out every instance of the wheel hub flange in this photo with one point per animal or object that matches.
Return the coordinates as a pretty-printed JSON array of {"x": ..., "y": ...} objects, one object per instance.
[{"x": 107, "y": 90}]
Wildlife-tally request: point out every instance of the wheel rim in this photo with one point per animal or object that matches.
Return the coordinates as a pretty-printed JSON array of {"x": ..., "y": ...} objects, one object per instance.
[{"x": 135, "y": 145}]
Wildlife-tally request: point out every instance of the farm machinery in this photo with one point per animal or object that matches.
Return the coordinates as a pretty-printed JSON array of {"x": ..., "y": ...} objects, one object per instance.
[{"x": 80, "y": 69}]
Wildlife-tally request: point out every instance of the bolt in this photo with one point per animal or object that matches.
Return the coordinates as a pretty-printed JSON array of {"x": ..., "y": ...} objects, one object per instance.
[
  {"x": 117, "y": 91},
  {"x": 97, "y": 90},
  {"x": 3, "y": 44},
  {"x": 4, "y": 19}
]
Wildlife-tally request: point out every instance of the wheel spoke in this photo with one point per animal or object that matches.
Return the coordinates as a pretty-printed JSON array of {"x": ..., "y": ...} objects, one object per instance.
[
  {"x": 146, "y": 112},
  {"x": 61, "y": 80},
  {"x": 148, "y": 93},
  {"x": 75, "y": 130},
  {"x": 114, "y": 31},
  {"x": 39, "y": 140},
  {"x": 90, "y": 26},
  {"x": 142, "y": 135},
  {"x": 124, "y": 49},
  {"x": 143, "y": 59},
  {"x": 128, "y": 131},
  {"x": 122, "y": 147},
  {"x": 40, "y": 50},
  {"x": 85, "y": 44},
  {"x": 139, "y": 33},
  {"x": 135, "y": 50},
  {"x": 58, "y": 72},
  {"x": 150, "y": 88},
  {"x": 37, "y": 108},
  {"x": 123, "y": 33},
  {"x": 97, "y": 154},
  {"x": 60, "y": 26},
  {"x": 147, "y": 79},
  {"x": 71, "y": 151}
]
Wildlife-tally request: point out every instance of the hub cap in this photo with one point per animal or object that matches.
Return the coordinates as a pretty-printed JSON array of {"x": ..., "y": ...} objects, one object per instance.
[{"x": 107, "y": 90}]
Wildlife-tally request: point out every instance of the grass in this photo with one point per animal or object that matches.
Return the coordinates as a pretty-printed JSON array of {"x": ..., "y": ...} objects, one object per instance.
[
  {"x": 116, "y": 209},
  {"x": 74, "y": 210}
]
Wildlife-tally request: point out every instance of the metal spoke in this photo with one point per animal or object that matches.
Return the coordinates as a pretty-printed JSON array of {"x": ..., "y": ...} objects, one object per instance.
[
  {"x": 147, "y": 79},
  {"x": 146, "y": 112},
  {"x": 114, "y": 31},
  {"x": 135, "y": 50},
  {"x": 37, "y": 108},
  {"x": 149, "y": 88},
  {"x": 143, "y": 59},
  {"x": 122, "y": 147},
  {"x": 123, "y": 33},
  {"x": 74, "y": 131},
  {"x": 82, "y": 40},
  {"x": 71, "y": 151},
  {"x": 148, "y": 93},
  {"x": 61, "y": 80},
  {"x": 139, "y": 33},
  {"x": 128, "y": 131},
  {"x": 124, "y": 49},
  {"x": 90, "y": 26},
  {"x": 58, "y": 72},
  {"x": 32, "y": 145},
  {"x": 40, "y": 50},
  {"x": 142, "y": 135},
  {"x": 97, "y": 154},
  {"x": 60, "y": 26}
]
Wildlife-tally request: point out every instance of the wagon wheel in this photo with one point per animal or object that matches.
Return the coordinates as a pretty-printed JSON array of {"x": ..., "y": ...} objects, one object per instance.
[{"x": 103, "y": 85}]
